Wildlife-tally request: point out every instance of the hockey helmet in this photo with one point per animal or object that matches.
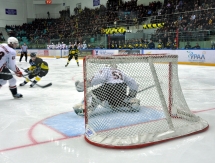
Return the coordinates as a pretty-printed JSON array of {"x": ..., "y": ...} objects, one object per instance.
[
  {"x": 33, "y": 55},
  {"x": 13, "y": 41}
]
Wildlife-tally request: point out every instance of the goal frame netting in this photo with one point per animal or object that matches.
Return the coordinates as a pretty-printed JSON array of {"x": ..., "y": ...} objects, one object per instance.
[{"x": 192, "y": 124}]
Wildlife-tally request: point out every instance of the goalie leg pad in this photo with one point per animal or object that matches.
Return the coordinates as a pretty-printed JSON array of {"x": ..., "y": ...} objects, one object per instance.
[
  {"x": 79, "y": 108},
  {"x": 79, "y": 112}
]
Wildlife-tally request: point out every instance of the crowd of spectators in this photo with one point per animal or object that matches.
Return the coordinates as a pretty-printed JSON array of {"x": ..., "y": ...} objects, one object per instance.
[
  {"x": 88, "y": 23},
  {"x": 83, "y": 23},
  {"x": 193, "y": 20}
]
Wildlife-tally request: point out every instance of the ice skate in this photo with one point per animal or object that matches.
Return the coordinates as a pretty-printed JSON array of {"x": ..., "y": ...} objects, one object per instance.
[
  {"x": 22, "y": 84},
  {"x": 17, "y": 96},
  {"x": 32, "y": 84}
]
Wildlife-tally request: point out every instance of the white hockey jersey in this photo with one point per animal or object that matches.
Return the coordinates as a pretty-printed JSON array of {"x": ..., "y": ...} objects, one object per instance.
[
  {"x": 8, "y": 58},
  {"x": 113, "y": 75}
]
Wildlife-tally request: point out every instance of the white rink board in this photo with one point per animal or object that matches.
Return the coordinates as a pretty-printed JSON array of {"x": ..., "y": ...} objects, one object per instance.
[
  {"x": 46, "y": 52},
  {"x": 189, "y": 55},
  {"x": 185, "y": 56}
]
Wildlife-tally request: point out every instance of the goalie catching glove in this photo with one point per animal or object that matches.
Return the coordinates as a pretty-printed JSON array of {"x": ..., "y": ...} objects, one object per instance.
[{"x": 80, "y": 86}]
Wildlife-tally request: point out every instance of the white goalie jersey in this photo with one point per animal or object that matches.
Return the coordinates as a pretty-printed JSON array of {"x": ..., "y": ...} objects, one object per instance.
[{"x": 113, "y": 75}]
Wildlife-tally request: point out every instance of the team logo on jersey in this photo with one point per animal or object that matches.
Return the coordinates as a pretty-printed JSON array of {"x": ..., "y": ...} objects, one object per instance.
[{"x": 13, "y": 57}]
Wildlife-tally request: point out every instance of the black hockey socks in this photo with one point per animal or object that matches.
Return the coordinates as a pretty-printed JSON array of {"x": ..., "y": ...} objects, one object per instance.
[
  {"x": 22, "y": 84},
  {"x": 67, "y": 63},
  {"x": 33, "y": 83},
  {"x": 14, "y": 92}
]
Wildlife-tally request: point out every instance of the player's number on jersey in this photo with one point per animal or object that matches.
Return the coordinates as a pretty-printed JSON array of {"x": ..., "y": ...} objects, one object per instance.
[
  {"x": 117, "y": 75},
  {"x": 1, "y": 55}
]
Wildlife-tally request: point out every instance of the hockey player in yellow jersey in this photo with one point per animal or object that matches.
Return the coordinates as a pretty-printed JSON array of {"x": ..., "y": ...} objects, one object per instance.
[
  {"x": 73, "y": 52},
  {"x": 37, "y": 70}
]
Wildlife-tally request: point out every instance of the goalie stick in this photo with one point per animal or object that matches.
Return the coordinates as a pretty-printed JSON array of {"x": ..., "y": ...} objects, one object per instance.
[
  {"x": 100, "y": 102},
  {"x": 144, "y": 89}
]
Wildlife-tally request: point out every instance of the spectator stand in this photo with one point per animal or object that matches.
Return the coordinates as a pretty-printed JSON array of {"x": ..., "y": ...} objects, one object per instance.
[{"x": 194, "y": 21}]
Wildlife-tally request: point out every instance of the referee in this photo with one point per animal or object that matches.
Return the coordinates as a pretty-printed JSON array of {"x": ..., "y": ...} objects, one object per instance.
[{"x": 24, "y": 52}]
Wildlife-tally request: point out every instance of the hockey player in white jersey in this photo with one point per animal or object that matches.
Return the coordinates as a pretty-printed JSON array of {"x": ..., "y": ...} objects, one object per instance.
[
  {"x": 113, "y": 90},
  {"x": 7, "y": 63}
]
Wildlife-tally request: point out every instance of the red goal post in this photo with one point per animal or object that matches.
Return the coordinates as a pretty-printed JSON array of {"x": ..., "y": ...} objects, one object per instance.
[{"x": 163, "y": 115}]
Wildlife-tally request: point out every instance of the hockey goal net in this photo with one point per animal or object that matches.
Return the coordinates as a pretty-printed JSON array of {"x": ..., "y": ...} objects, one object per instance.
[{"x": 163, "y": 114}]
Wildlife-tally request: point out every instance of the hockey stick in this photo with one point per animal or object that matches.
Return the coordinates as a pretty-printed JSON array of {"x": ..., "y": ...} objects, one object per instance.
[
  {"x": 24, "y": 71},
  {"x": 98, "y": 101},
  {"x": 5, "y": 73},
  {"x": 41, "y": 86},
  {"x": 44, "y": 86}
]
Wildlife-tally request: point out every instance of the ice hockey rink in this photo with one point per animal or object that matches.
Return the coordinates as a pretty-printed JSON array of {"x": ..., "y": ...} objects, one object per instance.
[{"x": 43, "y": 128}]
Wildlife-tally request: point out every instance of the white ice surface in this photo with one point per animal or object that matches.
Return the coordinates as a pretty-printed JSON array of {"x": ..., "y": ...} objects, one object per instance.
[{"x": 23, "y": 139}]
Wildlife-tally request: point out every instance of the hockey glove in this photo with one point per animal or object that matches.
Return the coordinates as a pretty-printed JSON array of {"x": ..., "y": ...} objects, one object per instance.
[
  {"x": 26, "y": 70},
  {"x": 18, "y": 73},
  {"x": 36, "y": 71},
  {"x": 132, "y": 93}
]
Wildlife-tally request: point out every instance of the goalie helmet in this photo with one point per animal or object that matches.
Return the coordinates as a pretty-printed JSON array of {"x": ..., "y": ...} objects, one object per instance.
[
  {"x": 12, "y": 41},
  {"x": 33, "y": 54}
]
